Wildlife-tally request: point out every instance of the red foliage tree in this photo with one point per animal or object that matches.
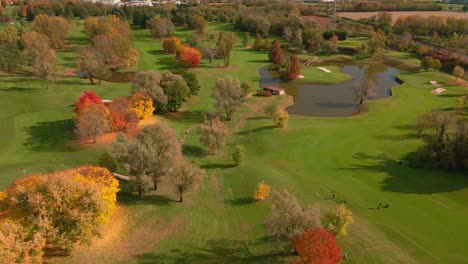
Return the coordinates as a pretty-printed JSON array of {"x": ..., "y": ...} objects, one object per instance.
[
  {"x": 276, "y": 53},
  {"x": 86, "y": 98},
  {"x": 171, "y": 45},
  {"x": 294, "y": 67},
  {"x": 121, "y": 116},
  {"x": 318, "y": 247},
  {"x": 188, "y": 57}
]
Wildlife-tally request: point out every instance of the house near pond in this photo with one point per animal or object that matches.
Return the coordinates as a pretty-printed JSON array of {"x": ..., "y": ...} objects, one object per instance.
[{"x": 274, "y": 89}]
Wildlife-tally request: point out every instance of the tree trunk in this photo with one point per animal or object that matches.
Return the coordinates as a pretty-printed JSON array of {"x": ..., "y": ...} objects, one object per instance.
[
  {"x": 141, "y": 192},
  {"x": 91, "y": 80},
  {"x": 181, "y": 198},
  {"x": 94, "y": 139},
  {"x": 155, "y": 186}
]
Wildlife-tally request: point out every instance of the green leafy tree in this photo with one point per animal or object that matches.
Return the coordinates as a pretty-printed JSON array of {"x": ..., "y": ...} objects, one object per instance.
[
  {"x": 238, "y": 154},
  {"x": 225, "y": 45}
]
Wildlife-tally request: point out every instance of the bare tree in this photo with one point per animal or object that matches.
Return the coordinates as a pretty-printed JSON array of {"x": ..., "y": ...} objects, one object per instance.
[
  {"x": 184, "y": 177},
  {"x": 213, "y": 134},
  {"x": 287, "y": 219},
  {"x": 228, "y": 95},
  {"x": 150, "y": 83},
  {"x": 160, "y": 27},
  {"x": 364, "y": 89},
  {"x": 225, "y": 45},
  {"x": 92, "y": 121},
  {"x": 91, "y": 63}
]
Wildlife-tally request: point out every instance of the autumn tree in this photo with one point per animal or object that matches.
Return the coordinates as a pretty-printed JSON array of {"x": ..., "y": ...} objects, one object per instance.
[
  {"x": 92, "y": 120},
  {"x": 86, "y": 98},
  {"x": 160, "y": 27},
  {"x": 276, "y": 53},
  {"x": 142, "y": 104},
  {"x": 294, "y": 68},
  {"x": 188, "y": 57},
  {"x": 225, "y": 45},
  {"x": 238, "y": 154},
  {"x": 429, "y": 64},
  {"x": 171, "y": 45},
  {"x": 246, "y": 88},
  {"x": 18, "y": 246},
  {"x": 337, "y": 220},
  {"x": 458, "y": 72},
  {"x": 198, "y": 23},
  {"x": 213, "y": 134},
  {"x": 258, "y": 44},
  {"x": 423, "y": 50},
  {"x": 149, "y": 155},
  {"x": 228, "y": 96},
  {"x": 287, "y": 219},
  {"x": 149, "y": 82},
  {"x": 121, "y": 115},
  {"x": 317, "y": 246},
  {"x": 376, "y": 42},
  {"x": 280, "y": 118},
  {"x": 262, "y": 192},
  {"x": 41, "y": 56},
  {"x": 10, "y": 54},
  {"x": 54, "y": 27},
  {"x": 460, "y": 104},
  {"x": 92, "y": 65},
  {"x": 184, "y": 177},
  {"x": 246, "y": 39}
]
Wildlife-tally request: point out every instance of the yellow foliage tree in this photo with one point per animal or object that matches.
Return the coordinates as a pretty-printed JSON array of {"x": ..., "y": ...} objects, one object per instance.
[
  {"x": 262, "y": 192},
  {"x": 337, "y": 220},
  {"x": 142, "y": 104}
]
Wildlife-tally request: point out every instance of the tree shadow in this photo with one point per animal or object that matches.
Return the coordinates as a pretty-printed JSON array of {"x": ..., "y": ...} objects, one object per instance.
[
  {"x": 240, "y": 201},
  {"x": 193, "y": 151},
  {"x": 186, "y": 116},
  {"x": 51, "y": 136},
  {"x": 157, "y": 52},
  {"x": 21, "y": 89},
  {"x": 217, "y": 166},
  {"x": 246, "y": 132},
  {"x": 259, "y": 61},
  {"x": 130, "y": 198},
  {"x": 403, "y": 178},
  {"x": 213, "y": 252}
]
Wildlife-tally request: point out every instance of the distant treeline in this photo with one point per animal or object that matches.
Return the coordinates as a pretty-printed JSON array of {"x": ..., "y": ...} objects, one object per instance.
[{"x": 367, "y": 6}]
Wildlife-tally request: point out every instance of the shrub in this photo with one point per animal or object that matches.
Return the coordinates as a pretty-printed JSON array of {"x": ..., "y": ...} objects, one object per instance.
[
  {"x": 264, "y": 93},
  {"x": 238, "y": 155},
  {"x": 341, "y": 34},
  {"x": 262, "y": 192}
]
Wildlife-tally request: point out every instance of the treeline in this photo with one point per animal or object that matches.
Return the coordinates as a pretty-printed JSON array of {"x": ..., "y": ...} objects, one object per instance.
[
  {"x": 418, "y": 25},
  {"x": 368, "y": 6}
]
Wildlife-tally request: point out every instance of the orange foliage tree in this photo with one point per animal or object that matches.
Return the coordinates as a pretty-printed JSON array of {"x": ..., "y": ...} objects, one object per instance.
[
  {"x": 294, "y": 68},
  {"x": 121, "y": 116},
  {"x": 262, "y": 192},
  {"x": 171, "y": 45},
  {"x": 142, "y": 104},
  {"x": 188, "y": 57},
  {"x": 86, "y": 98},
  {"x": 317, "y": 246}
]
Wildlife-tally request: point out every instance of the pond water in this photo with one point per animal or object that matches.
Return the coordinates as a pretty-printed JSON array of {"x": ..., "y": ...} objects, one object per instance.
[{"x": 334, "y": 100}]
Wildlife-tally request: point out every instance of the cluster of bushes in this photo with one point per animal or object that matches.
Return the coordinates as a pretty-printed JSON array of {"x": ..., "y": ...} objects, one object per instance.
[
  {"x": 375, "y": 6},
  {"x": 419, "y": 25},
  {"x": 341, "y": 34}
]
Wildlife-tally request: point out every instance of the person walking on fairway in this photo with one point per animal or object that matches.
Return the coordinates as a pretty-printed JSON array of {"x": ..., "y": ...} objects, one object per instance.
[
  {"x": 333, "y": 196},
  {"x": 380, "y": 205}
]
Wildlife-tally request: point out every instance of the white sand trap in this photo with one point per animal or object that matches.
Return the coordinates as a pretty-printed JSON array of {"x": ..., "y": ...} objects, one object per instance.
[
  {"x": 434, "y": 83},
  {"x": 438, "y": 91},
  {"x": 324, "y": 69},
  {"x": 300, "y": 76}
]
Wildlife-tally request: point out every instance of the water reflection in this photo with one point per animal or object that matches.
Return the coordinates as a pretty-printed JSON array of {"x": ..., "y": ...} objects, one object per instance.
[{"x": 330, "y": 100}]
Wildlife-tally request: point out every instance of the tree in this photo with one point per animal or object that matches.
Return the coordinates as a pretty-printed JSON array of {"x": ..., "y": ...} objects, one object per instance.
[
  {"x": 16, "y": 245},
  {"x": 63, "y": 207},
  {"x": 149, "y": 83},
  {"x": 108, "y": 162},
  {"x": 213, "y": 134},
  {"x": 199, "y": 24},
  {"x": 41, "y": 56},
  {"x": 160, "y": 27},
  {"x": 171, "y": 45},
  {"x": 149, "y": 155},
  {"x": 184, "y": 177},
  {"x": 225, "y": 45},
  {"x": 190, "y": 79},
  {"x": 376, "y": 42},
  {"x": 228, "y": 96},
  {"x": 246, "y": 39},
  {"x": 428, "y": 63},
  {"x": 246, "y": 88},
  {"x": 423, "y": 50},
  {"x": 364, "y": 89},
  {"x": 176, "y": 90},
  {"x": 86, "y": 98},
  {"x": 92, "y": 65},
  {"x": 92, "y": 120},
  {"x": 121, "y": 116},
  {"x": 142, "y": 104},
  {"x": 287, "y": 220},
  {"x": 294, "y": 68},
  {"x": 317, "y": 246},
  {"x": 337, "y": 221},
  {"x": 10, "y": 54},
  {"x": 276, "y": 53},
  {"x": 297, "y": 38},
  {"x": 238, "y": 154},
  {"x": 460, "y": 105},
  {"x": 280, "y": 118},
  {"x": 188, "y": 57},
  {"x": 458, "y": 72},
  {"x": 330, "y": 47},
  {"x": 258, "y": 44},
  {"x": 262, "y": 192},
  {"x": 54, "y": 27}
]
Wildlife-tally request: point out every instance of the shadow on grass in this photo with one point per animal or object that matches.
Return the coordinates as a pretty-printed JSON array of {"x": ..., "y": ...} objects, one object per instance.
[
  {"x": 129, "y": 198},
  {"x": 217, "y": 166},
  {"x": 156, "y": 52},
  {"x": 240, "y": 201},
  {"x": 21, "y": 89},
  {"x": 402, "y": 178},
  {"x": 50, "y": 136},
  {"x": 246, "y": 132},
  {"x": 214, "y": 251},
  {"x": 193, "y": 151},
  {"x": 186, "y": 116}
]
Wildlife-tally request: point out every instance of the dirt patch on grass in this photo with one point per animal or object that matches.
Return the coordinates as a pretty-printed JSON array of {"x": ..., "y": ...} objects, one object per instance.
[{"x": 396, "y": 15}]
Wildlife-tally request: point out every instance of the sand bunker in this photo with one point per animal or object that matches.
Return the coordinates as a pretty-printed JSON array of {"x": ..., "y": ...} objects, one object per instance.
[
  {"x": 300, "y": 76},
  {"x": 438, "y": 91},
  {"x": 324, "y": 69}
]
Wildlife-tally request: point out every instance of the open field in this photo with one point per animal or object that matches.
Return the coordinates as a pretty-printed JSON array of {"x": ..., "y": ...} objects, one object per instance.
[
  {"x": 396, "y": 15},
  {"x": 358, "y": 158}
]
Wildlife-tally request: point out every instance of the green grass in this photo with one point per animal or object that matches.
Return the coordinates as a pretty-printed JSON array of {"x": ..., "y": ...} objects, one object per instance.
[
  {"x": 312, "y": 74},
  {"x": 353, "y": 42},
  {"x": 357, "y": 158}
]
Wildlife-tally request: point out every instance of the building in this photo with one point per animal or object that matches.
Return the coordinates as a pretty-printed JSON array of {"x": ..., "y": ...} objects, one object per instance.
[
  {"x": 274, "y": 89},
  {"x": 107, "y": 2}
]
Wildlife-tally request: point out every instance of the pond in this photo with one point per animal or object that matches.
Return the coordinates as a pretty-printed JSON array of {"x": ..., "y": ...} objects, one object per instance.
[{"x": 335, "y": 100}]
